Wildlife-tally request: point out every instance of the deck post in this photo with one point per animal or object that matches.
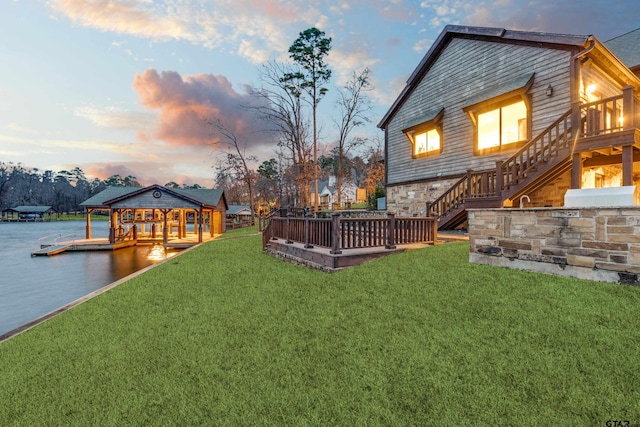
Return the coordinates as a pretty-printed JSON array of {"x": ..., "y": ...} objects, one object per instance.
[
  {"x": 286, "y": 230},
  {"x": 306, "y": 233},
  {"x": 628, "y": 105},
  {"x": 165, "y": 233},
  {"x": 88, "y": 224},
  {"x": 200, "y": 215},
  {"x": 469, "y": 174},
  {"x": 576, "y": 171},
  {"x": 435, "y": 228},
  {"x": 112, "y": 226},
  {"x": 627, "y": 165},
  {"x": 391, "y": 231},
  {"x": 335, "y": 233},
  {"x": 575, "y": 120},
  {"x": 499, "y": 178},
  {"x": 427, "y": 208}
]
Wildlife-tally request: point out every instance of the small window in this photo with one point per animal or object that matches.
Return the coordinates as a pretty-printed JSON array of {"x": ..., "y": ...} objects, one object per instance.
[
  {"x": 426, "y": 135},
  {"x": 427, "y": 142}
]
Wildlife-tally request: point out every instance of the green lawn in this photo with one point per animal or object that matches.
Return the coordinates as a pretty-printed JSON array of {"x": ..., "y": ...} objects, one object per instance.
[{"x": 227, "y": 335}]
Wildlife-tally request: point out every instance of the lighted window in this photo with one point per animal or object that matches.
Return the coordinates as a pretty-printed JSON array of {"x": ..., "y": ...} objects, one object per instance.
[
  {"x": 426, "y": 142},
  {"x": 426, "y": 135},
  {"x": 502, "y": 126}
]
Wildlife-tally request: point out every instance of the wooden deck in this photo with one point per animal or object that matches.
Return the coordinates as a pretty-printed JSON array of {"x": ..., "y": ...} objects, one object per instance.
[
  {"x": 339, "y": 242},
  {"x": 321, "y": 258},
  {"x": 50, "y": 250}
]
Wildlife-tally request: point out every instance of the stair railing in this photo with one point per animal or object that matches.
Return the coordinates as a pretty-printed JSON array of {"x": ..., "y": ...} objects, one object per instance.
[{"x": 533, "y": 154}]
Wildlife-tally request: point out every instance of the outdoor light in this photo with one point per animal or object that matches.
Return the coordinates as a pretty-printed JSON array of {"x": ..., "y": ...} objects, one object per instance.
[{"x": 549, "y": 90}]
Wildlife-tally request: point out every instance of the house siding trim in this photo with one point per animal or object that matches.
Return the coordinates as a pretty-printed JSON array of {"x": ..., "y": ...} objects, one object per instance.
[{"x": 565, "y": 42}]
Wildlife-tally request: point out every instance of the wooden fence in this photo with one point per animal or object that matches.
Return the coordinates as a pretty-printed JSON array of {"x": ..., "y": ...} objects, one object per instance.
[{"x": 337, "y": 233}]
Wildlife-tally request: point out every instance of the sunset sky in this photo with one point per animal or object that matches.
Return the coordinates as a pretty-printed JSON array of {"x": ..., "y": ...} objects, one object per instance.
[{"x": 124, "y": 87}]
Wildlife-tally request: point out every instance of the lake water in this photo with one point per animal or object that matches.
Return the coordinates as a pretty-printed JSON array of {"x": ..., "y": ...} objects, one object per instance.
[{"x": 33, "y": 286}]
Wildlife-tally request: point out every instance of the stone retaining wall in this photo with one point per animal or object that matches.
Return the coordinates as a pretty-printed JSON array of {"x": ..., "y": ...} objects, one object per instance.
[
  {"x": 411, "y": 199},
  {"x": 590, "y": 243}
]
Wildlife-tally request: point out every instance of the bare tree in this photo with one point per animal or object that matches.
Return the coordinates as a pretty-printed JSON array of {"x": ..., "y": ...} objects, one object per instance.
[
  {"x": 282, "y": 108},
  {"x": 236, "y": 160},
  {"x": 354, "y": 107}
]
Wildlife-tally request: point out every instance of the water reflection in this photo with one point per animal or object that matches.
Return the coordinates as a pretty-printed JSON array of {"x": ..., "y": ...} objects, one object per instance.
[
  {"x": 157, "y": 253},
  {"x": 33, "y": 286}
]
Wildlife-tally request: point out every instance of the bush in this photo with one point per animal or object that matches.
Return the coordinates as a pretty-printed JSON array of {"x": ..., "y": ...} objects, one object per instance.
[{"x": 372, "y": 199}]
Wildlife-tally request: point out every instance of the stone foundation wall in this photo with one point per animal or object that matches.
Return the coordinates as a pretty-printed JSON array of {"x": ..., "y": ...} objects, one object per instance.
[
  {"x": 550, "y": 195},
  {"x": 590, "y": 243},
  {"x": 409, "y": 200}
]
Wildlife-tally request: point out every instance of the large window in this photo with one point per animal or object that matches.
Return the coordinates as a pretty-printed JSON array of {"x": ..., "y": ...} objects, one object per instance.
[
  {"x": 501, "y": 115},
  {"x": 502, "y": 126}
]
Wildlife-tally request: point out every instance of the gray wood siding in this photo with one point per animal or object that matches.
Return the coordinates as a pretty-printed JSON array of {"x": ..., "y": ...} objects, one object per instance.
[
  {"x": 146, "y": 200},
  {"x": 464, "y": 68}
]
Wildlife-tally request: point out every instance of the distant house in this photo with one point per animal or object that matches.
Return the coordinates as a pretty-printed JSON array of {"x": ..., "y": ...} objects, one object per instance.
[
  {"x": 491, "y": 117},
  {"x": 28, "y": 213},
  {"x": 329, "y": 193},
  {"x": 239, "y": 215}
]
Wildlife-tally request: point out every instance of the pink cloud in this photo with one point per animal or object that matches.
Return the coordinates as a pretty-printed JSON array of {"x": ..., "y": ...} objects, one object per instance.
[
  {"x": 186, "y": 105},
  {"x": 123, "y": 17}
]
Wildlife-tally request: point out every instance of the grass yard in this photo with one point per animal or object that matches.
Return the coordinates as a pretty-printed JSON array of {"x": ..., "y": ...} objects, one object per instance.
[{"x": 227, "y": 335}]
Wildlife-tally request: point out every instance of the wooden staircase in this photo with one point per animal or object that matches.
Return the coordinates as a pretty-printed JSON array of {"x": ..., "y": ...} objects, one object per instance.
[{"x": 537, "y": 163}]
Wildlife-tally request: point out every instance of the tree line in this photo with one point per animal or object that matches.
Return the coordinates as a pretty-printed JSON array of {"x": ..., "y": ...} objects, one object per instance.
[{"x": 63, "y": 190}]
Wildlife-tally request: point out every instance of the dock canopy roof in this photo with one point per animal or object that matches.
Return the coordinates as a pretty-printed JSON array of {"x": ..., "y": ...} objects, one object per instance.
[
  {"x": 155, "y": 196},
  {"x": 31, "y": 210}
]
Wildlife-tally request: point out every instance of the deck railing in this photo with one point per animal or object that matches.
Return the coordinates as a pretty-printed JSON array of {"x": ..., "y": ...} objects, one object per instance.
[
  {"x": 602, "y": 116},
  {"x": 339, "y": 233}
]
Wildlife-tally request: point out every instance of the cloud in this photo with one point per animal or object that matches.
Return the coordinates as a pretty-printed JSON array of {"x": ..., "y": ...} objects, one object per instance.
[
  {"x": 124, "y": 18},
  {"x": 186, "y": 105},
  {"x": 113, "y": 117},
  {"x": 602, "y": 18}
]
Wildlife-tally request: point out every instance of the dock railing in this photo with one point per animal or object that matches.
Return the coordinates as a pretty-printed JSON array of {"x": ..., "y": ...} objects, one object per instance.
[{"x": 338, "y": 233}]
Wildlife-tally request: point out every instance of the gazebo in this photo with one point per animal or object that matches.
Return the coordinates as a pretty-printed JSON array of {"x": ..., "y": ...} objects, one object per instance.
[{"x": 155, "y": 211}]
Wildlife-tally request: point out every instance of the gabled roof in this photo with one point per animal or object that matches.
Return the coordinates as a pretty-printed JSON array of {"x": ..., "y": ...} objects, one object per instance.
[
  {"x": 107, "y": 194},
  {"x": 209, "y": 197},
  {"x": 31, "y": 209},
  {"x": 236, "y": 209},
  {"x": 627, "y": 48},
  {"x": 549, "y": 40},
  {"x": 322, "y": 183},
  {"x": 200, "y": 196}
]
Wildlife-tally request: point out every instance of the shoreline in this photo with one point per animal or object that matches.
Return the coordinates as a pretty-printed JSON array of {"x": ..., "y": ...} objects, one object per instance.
[{"x": 41, "y": 319}]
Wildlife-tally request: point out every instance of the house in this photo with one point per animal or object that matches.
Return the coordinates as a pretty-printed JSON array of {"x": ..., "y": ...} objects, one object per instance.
[
  {"x": 494, "y": 118},
  {"x": 239, "y": 216},
  {"x": 159, "y": 211},
  {"x": 329, "y": 193}
]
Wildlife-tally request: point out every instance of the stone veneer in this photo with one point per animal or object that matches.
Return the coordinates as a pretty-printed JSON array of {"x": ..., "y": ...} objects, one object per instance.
[
  {"x": 411, "y": 199},
  {"x": 589, "y": 243}
]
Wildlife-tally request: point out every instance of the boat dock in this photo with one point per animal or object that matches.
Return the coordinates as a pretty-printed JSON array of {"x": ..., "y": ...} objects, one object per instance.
[{"x": 50, "y": 250}]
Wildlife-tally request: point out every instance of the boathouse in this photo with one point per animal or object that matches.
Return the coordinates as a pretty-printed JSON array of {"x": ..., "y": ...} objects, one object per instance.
[
  {"x": 157, "y": 213},
  {"x": 27, "y": 213}
]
